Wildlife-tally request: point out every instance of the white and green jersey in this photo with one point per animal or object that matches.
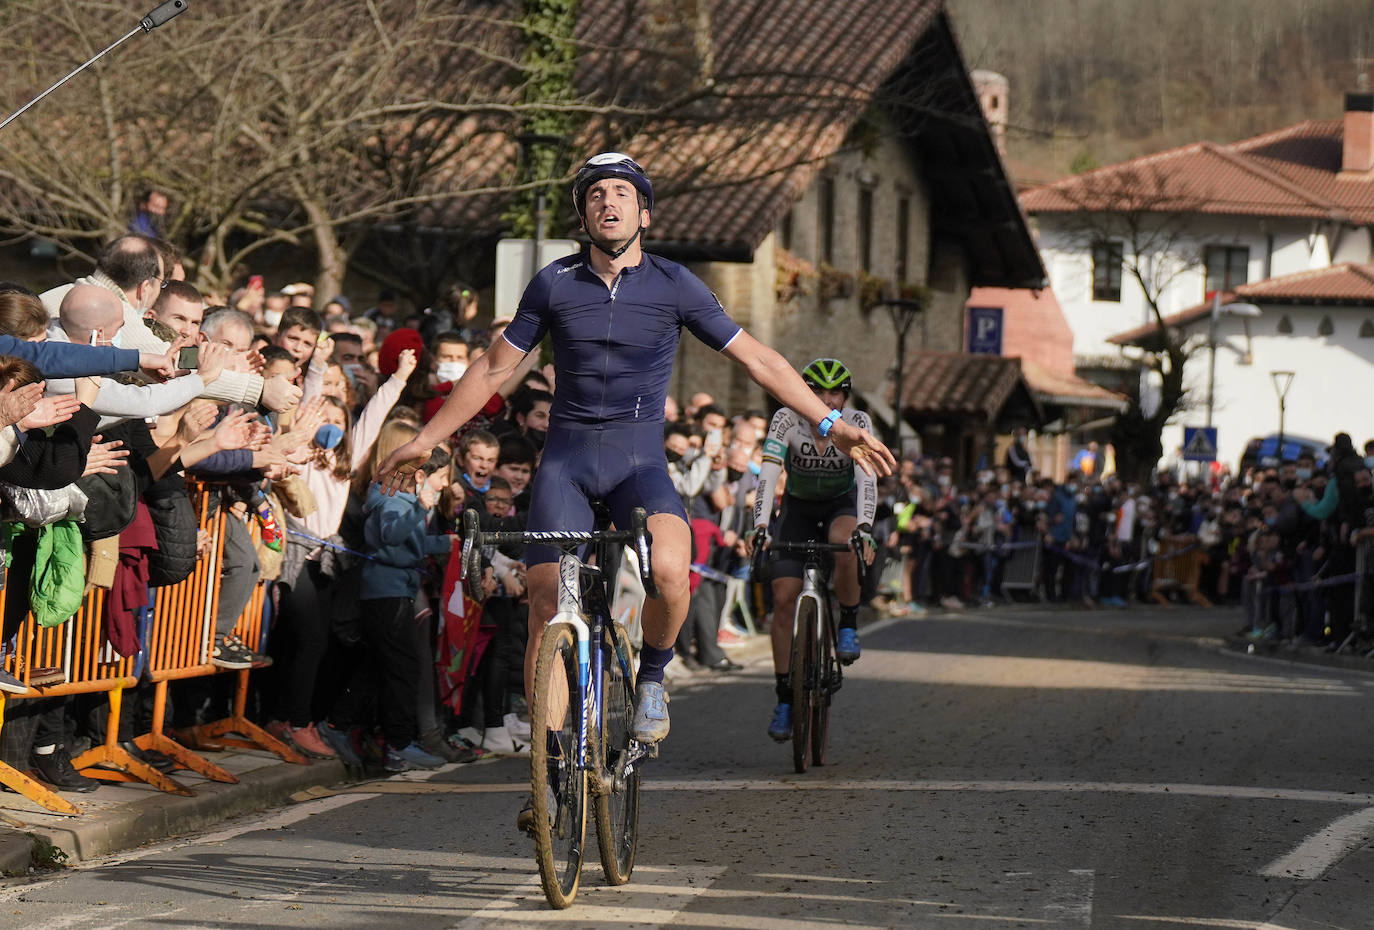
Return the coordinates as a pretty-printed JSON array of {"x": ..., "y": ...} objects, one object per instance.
[{"x": 816, "y": 468}]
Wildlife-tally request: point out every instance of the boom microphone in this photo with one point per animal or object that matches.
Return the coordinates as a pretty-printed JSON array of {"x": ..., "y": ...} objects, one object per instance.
[{"x": 157, "y": 17}]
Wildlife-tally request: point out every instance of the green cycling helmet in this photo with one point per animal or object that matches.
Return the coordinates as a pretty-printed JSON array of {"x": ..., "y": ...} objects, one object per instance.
[{"x": 828, "y": 374}]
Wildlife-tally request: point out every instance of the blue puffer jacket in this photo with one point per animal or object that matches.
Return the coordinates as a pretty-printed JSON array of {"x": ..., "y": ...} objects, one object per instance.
[{"x": 395, "y": 531}]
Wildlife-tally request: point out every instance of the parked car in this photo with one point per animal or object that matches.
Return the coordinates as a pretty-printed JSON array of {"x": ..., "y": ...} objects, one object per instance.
[{"x": 1263, "y": 451}]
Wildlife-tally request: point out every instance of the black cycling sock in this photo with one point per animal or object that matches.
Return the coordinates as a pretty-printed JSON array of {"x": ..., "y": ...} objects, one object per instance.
[
  {"x": 651, "y": 663},
  {"x": 849, "y": 617},
  {"x": 784, "y": 689}
]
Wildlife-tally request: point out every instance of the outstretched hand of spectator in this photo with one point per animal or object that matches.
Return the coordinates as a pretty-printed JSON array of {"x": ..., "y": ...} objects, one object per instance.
[
  {"x": 161, "y": 367},
  {"x": 256, "y": 363},
  {"x": 307, "y": 420},
  {"x": 214, "y": 358},
  {"x": 236, "y": 431},
  {"x": 104, "y": 457},
  {"x": 51, "y": 411},
  {"x": 18, "y": 403},
  {"x": 405, "y": 364},
  {"x": 198, "y": 417},
  {"x": 278, "y": 393}
]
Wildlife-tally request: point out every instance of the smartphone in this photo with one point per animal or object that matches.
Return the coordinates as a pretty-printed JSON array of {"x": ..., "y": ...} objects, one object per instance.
[
  {"x": 714, "y": 440},
  {"x": 255, "y": 282},
  {"x": 188, "y": 357}
]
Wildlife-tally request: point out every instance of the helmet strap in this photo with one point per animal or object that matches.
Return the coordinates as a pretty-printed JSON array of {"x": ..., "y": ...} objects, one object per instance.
[{"x": 620, "y": 251}]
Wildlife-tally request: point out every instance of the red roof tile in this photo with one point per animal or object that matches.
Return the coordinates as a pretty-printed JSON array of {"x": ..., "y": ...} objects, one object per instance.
[{"x": 1349, "y": 281}]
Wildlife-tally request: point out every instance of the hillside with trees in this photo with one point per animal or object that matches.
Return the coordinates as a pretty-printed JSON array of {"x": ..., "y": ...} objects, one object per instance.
[{"x": 1097, "y": 81}]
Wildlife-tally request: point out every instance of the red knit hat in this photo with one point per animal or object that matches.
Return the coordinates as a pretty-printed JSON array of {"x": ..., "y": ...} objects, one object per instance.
[{"x": 392, "y": 347}]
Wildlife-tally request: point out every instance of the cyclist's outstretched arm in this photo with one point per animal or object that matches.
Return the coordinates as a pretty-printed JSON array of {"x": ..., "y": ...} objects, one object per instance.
[
  {"x": 770, "y": 371},
  {"x": 868, "y": 483},
  {"x": 774, "y": 452},
  {"x": 468, "y": 396}
]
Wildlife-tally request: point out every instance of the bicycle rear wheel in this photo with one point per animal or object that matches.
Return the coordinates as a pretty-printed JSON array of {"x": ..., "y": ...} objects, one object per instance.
[
  {"x": 804, "y": 662},
  {"x": 617, "y": 813},
  {"x": 559, "y": 787},
  {"x": 826, "y": 671}
]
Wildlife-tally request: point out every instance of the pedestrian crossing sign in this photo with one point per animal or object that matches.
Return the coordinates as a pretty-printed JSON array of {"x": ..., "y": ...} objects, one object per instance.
[{"x": 1199, "y": 443}]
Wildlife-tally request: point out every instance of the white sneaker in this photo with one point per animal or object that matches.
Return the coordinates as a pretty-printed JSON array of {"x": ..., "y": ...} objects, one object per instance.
[
  {"x": 517, "y": 728},
  {"x": 499, "y": 740},
  {"x": 675, "y": 670},
  {"x": 472, "y": 735}
]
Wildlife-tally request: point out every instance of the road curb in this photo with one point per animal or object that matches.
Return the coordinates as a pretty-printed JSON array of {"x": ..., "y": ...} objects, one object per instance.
[
  {"x": 16, "y": 852},
  {"x": 165, "y": 816}
]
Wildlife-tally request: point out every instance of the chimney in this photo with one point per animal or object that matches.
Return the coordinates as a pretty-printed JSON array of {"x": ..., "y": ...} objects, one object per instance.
[{"x": 1357, "y": 149}]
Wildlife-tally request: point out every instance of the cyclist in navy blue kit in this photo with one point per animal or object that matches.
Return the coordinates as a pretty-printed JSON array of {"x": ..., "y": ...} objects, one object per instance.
[{"x": 615, "y": 314}]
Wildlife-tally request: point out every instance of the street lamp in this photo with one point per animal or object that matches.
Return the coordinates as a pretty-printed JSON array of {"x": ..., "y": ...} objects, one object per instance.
[
  {"x": 528, "y": 142},
  {"x": 1245, "y": 310},
  {"x": 903, "y": 313},
  {"x": 1283, "y": 380}
]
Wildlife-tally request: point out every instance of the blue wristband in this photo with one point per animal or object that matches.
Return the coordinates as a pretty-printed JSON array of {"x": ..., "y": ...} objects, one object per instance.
[{"x": 823, "y": 428}]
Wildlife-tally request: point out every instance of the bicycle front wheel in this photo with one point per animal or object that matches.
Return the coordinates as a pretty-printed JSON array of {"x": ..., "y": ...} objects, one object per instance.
[
  {"x": 804, "y": 663},
  {"x": 558, "y": 785},
  {"x": 617, "y": 812},
  {"x": 827, "y": 670}
]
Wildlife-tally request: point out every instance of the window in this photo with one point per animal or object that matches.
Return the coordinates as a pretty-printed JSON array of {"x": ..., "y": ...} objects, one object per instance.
[
  {"x": 1367, "y": 329},
  {"x": 1227, "y": 267},
  {"x": 1285, "y": 326},
  {"x": 785, "y": 231},
  {"x": 866, "y": 229},
  {"x": 1107, "y": 258},
  {"x": 903, "y": 236},
  {"x": 1326, "y": 327},
  {"x": 825, "y": 217}
]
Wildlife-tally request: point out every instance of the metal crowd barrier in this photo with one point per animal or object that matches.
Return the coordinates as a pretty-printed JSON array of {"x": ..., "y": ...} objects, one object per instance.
[
  {"x": 1022, "y": 567},
  {"x": 177, "y": 646},
  {"x": 1178, "y": 568}
]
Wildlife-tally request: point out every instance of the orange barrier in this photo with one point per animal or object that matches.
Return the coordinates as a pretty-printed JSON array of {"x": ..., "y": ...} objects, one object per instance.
[{"x": 1178, "y": 567}]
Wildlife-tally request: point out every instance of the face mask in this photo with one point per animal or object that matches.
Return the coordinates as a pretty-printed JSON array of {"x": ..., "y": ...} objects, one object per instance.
[
  {"x": 450, "y": 371},
  {"x": 672, "y": 456},
  {"x": 1289, "y": 483},
  {"x": 1270, "y": 521},
  {"x": 1369, "y": 461},
  {"x": 272, "y": 318},
  {"x": 943, "y": 481},
  {"x": 328, "y": 436},
  {"x": 1306, "y": 473},
  {"x": 1071, "y": 488},
  {"x": 536, "y": 436},
  {"x": 734, "y": 474}
]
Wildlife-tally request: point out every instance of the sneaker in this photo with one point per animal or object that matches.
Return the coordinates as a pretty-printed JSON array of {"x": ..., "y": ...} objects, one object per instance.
[
  {"x": 393, "y": 764},
  {"x": 229, "y": 654},
  {"x": 500, "y": 740},
  {"x": 417, "y": 757},
  {"x": 281, "y": 730},
  {"x": 516, "y": 727},
  {"x": 780, "y": 727},
  {"x": 464, "y": 751},
  {"x": 308, "y": 739},
  {"x": 339, "y": 742},
  {"x": 57, "y": 770},
  {"x": 257, "y": 659},
  {"x": 10, "y": 684},
  {"x": 950, "y": 602},
  {"x": 650, "y": 722},
  {"x": 728, "y": 637},
  {"x": 847, "y": 648}
]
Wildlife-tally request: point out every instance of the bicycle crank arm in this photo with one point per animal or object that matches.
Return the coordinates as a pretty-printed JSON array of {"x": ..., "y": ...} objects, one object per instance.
[{"x": 636, "y": 753}]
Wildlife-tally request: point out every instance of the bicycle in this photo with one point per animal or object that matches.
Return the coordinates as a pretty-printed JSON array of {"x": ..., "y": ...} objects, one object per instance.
[
  {"x": 815, "y": 671},
  {"x": 583, "y": 703}
]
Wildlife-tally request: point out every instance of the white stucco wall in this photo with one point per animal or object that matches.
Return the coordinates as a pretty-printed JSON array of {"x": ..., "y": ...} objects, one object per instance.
[
  {"x": 1334, "y": 377},
  {"x": 1276, "y": 246}
]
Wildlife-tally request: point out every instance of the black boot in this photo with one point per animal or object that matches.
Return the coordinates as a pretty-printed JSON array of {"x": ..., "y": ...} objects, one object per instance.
[{"x": 57, "y": 770}]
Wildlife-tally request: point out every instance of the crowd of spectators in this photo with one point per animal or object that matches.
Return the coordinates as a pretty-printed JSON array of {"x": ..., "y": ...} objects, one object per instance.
[{"x": 126, "y": 389}]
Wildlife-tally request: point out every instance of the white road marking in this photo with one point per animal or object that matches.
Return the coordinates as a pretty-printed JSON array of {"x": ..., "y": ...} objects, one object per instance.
[{"x": 1324, "y": 848}]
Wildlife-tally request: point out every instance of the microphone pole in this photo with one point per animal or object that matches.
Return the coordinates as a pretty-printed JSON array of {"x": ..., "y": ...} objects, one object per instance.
[{"x": 157, "y": 17}]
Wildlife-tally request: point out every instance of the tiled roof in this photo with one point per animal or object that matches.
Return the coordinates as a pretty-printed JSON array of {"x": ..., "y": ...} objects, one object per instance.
[
  {"x": 953, "y": 384},
  {"x": 1348, "y": 282},
  {"x": 792, "y": 78},
  {"x": 1294, "y": 171},
  {"x": 1054, "y": 387}
]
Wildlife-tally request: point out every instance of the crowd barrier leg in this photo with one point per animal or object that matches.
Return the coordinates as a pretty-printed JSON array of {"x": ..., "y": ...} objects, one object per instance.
[
  {"x": 36, "y": 792},
  {"x": 158, "y": 740},
  {"x": 249, "y": 734},
  {"x": 125, "y": 767}
]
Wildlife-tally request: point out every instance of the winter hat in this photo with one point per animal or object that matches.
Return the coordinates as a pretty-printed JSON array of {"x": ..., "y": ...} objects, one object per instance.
[{"x": 392, "y": 347}]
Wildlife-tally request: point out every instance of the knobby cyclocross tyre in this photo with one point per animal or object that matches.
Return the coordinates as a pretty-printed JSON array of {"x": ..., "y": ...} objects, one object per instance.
[
  {"x": 825, "y": 676},
  {"x": 617, "y": 814},
  {"x": 555, "y": 780},
  {"x": 803, "y": 681}
]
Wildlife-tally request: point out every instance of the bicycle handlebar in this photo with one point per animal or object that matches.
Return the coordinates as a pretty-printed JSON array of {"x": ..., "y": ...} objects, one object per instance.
[
  {"x": 474, "y": 539},
  {"x": 812, "y": 547}
]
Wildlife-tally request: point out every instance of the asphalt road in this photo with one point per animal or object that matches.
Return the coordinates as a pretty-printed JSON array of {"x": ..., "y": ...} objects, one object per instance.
[{"x": 998, "y": 769}]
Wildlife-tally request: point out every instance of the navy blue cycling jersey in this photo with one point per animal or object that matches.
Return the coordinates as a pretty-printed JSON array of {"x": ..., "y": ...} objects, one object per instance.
[{"x": 613, "y": 347}]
